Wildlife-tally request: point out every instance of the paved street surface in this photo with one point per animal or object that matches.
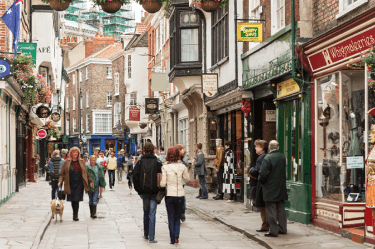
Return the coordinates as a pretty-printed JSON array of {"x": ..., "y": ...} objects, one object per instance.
[{"x": 25, "y": 222}]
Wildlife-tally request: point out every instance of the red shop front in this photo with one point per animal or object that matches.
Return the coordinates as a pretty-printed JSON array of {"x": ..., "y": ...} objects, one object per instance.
[{"x": 340, "y": 126}]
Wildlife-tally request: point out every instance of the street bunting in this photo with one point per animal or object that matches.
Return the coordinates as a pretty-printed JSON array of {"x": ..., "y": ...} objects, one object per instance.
[
  {"x": 209, "y": 84},
  {"x": 134, "y": 114},
  {"x": 249, "y": 32},
  {"x": 286, "y": 88},
  {"x": 28, "y": 49},
  {"x": 151, "y": 105},
  {"x": 6, "y": 68}
]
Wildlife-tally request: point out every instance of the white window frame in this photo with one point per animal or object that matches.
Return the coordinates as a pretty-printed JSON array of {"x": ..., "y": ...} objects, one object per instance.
[
  {"x": 74, "y": 103},
  {"x": 67, "y": 127},
  {"x": 87, "y": 123},
  {"x": 157, "y": 39},
  {"x": 81, "y": 103},
  {"x": 82, "y": 130},
  {"x": 254, "y": 9},
  {"x": 116, "y": 113},
  {"x": 183, "y": 131},
  {"x": 87, "y": 73},
  {"x": 87, "y": 99},
  {"x": 74, "y": 78},
  {"x": 109, "y": 112},
  {"x": 74, "y": 124},
  {"x": 345, "y": 8},
  {"x": 80, "y": 76},
  {"x": 67, "y": 104},
  {"x": 117, "y": 84},
  {"x": 109, "y": 72},
  {"x": 133, "y": 99},
  {"x": 277, "y": 22},
  {"x": 109, "y": 99}
]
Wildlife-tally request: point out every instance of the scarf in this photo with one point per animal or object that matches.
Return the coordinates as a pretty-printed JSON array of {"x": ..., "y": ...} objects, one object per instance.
[{"x": 76, "y": 167}]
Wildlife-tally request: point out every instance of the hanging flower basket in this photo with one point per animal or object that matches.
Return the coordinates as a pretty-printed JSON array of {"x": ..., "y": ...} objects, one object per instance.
[
  {"x": 22, "y": 66},
  {"x": 142, "y": 125},
  {"x": 111, "y": 6},
  {"x": 59, "y": 5},
  {"x": 210, "y": 5},
  {"x": 151, "y": 6}
]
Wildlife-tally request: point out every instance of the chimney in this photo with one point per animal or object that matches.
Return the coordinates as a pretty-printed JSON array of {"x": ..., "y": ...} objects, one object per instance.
[{"x": 89, "y": 48}]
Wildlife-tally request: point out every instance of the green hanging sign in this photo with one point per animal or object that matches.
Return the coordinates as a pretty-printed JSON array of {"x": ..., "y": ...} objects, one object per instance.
[
  {"x": 65, "y": 139},
  {"x": 28, "y": 49}
]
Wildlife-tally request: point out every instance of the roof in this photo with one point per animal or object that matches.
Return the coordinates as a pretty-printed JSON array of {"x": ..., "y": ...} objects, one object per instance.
[
  {"x": 140, "y": 28},
  {"x": 142, "y": 40},
  {"x": 109, "y": 51},
  {"x": 131, "y": 42}
]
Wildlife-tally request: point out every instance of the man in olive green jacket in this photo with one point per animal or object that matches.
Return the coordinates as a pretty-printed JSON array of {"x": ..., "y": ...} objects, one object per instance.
[{"x": 272, "y": 176}]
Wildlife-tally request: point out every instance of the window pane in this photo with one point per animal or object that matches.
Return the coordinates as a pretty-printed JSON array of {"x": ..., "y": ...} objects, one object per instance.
[{"x": 189, "y": 45}]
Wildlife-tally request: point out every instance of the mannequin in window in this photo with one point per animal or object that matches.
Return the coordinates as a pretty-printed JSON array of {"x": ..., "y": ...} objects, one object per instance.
[
  {"x": 354, "y": 121},
  {"x": 219, "y": 164}
]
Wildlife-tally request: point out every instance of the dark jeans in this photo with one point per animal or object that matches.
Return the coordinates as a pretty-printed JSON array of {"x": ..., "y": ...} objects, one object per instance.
[
  {"x": 220, "y": 179},
  {"x": 55, "y": 188},
  {"x": 111, "y": 175},
  {"x": 149, "y": 212},
  {"x": 175, "y": 206},
  {"x": 202, "y": 183}
]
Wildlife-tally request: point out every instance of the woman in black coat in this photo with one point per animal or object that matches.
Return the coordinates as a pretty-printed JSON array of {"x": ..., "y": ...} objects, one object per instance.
[{"x": 261, "y": 149}]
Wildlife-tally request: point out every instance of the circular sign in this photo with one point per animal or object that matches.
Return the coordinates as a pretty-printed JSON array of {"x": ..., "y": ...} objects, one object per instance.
[
  {"x": 43, "y": 111},
  {"x": 42, "y": 133},
  {"x": 84, "y": 139},
  {"x": 6, "y": 68},
  {"x": 55, "y": 117}
]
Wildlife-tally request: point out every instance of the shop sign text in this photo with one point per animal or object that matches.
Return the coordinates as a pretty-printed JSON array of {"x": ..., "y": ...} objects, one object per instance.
[
  {"x": 249, "y": 32},
  {"x": 270, "y": 115},
  {"x": 355, "y": 162},
  {"x": 209, "y": 84},
  {"x": 286, "y": 88},
  {"x": 134, "y": 114}
]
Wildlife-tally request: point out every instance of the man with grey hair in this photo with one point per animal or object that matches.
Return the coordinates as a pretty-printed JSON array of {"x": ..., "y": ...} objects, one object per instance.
[{"x": 272, "y": 176}]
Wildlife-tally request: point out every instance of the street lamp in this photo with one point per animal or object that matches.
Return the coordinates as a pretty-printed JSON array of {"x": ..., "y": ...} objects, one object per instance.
[{"x": 146, "y": 54}]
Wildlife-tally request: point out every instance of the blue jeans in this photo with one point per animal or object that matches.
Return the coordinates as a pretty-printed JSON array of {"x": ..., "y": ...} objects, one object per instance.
[
  {"x": 149, "y": 213},
  {"x": 202, "y": 183},
  {"x": 54, "y": 188},
  {"x": 94, "y": 197},
  {"x": 111, "y": 175},
  {"x": 175, "y": 206}
]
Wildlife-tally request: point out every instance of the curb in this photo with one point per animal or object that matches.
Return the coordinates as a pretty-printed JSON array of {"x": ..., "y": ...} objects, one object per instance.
[
  {"x": 42, "y": 230},
  {"x": 237, "y": 229}
]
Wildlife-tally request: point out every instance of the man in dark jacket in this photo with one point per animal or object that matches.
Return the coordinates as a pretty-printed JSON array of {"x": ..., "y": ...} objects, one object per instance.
[
  {"x": 54, "y": 166},
  {"x": 200, "y": 171},
  {"x": 145, "y": 183},
  {"x": 272, "y": 175}
]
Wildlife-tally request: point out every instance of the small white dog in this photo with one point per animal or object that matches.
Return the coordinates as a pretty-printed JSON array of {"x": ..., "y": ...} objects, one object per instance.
[{"x": 57, "y": 207}]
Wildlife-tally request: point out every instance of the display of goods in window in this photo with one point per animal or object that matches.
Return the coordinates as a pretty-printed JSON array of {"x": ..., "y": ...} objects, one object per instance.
[
  {"x": 151, "y": 6},
  {"x": 58, "y": 5},
  {"x": 210, "y": 5}
]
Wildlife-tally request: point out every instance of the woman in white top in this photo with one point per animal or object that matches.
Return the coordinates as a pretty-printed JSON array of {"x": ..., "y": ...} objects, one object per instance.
[
  {"x": 173, "y": 174},
  {"x": 111, "y": 167},
  {"x": 101, "y": 159}
]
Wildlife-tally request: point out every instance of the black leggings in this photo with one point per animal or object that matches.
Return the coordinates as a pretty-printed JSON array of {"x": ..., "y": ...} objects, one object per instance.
[{"x": 75, "y": 207}]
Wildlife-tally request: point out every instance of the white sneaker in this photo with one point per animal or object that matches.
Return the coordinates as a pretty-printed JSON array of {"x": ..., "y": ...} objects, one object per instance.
[
  {"x": 229, "y": 201},
  {"x": 113, "y": 188}
]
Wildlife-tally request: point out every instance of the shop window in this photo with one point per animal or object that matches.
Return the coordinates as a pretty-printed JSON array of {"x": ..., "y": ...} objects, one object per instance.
[
  {"x": 220, "y": 34},
  {"x": 102, "y": 123},
  {"x": 213, "y": 127},
  {"x": 341, "y": 135}
]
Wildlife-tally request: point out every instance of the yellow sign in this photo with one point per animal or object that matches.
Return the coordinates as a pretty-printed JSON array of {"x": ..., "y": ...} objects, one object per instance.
[
  {"x": 286, "y": 88},
  {"x": 249, "y": 32}
]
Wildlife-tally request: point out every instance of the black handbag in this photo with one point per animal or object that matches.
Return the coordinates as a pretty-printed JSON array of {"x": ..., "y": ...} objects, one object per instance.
[
  {"x": 61, "y": 195},
  {"x": 160, "y": 195}
]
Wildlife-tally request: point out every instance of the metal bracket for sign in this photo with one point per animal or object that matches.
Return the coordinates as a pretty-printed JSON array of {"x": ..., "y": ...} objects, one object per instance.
[
  {"x": 1, "y": 52},
  {"x": 252, "y": 20}
]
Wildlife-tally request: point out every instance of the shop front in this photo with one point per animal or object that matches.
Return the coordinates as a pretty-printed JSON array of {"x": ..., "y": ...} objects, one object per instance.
[{"x": 342, "y": 94}]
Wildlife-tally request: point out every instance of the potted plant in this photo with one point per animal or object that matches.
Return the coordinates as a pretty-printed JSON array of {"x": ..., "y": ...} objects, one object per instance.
[
  {"x": 58, "y": 5},
  {"x": 151, "y": 6},
  {"x": 22, "y": 65},
  {"x": 29, "y": 86},
  {"x": 53, "y": 131},
  {"x": 367, "y": 59},
  {"x": 210, "y": 5},
  {"x": 111, "y": 6},
  {"x": 43, "y": 94},
  {"x": 142, "y": 125}
]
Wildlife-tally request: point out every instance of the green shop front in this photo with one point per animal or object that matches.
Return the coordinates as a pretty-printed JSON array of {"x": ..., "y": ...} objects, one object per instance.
[{"x": 268, "y": 72}]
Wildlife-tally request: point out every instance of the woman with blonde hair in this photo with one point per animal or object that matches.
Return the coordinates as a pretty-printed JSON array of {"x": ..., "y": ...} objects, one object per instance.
[
  {"x": 173, "y": 174},
  {"x": 76, "y": 179}
]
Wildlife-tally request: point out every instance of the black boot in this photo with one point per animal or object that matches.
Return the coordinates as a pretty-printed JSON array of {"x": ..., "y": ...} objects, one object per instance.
[
  {"x": 75, "y": 210},
  {"x": 219, "y": 197},
  {"x": 93, "y": 211},
  {"x": 90, "y": 210}
]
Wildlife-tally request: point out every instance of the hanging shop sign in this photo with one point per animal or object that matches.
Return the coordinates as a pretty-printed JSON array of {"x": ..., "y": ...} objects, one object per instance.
[
  {"x": 42, "y": 133},
  {"x": 29, "y": 49},
  {"x": 209, "y": 84},
  {"x": 342, "y": 51},
  {"x": 151, "y": 105},
  {"x": 249, "y": 32},
  {"x": 134, "y": 114},
  {"x": 286, "y": 88},
  {"x": 65, "y": 139},
  {"x": 6, "y": 68},
  {"x": 270, "y": 115},
  {"x": 43, "y": 111},
  {"x": 84, "y": 139},
  {"x": 55, "y": 117}
]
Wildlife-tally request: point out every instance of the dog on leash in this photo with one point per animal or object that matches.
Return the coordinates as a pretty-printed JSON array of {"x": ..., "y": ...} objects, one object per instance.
[{"x": 57, "y": 207}]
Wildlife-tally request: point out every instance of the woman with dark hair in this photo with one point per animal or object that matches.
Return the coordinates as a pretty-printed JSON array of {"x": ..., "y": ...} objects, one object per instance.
[
  {"x": 184, "y": 159},
  {"x": 229, "y": 183},
  {"x": 76, "y": 179},
  {"x": 173, "y": 174}
]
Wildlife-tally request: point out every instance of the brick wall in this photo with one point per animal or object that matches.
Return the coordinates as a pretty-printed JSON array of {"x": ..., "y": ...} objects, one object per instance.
[
  {"x": 325, "y": 11},
  {"x": 98, "y": 43},
  {"x": 269, "y": 129}
]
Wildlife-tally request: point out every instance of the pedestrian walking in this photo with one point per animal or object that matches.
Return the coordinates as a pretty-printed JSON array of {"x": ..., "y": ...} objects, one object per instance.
[
  {"x": 97, "y": 175},
  {"x": 46, "y": 168},
  {"x": 174, "y": 173},
  {"x": 76, "y": 179},
  {"x": 229, "y": 181},
  {"x": 111, "y": 167},
  {"x": 185, "y": 161},
  {"x": 162, "y": 155},
  {"x": 200, "y": 171},
  {"x": 130, "y": 173},
  {"x": 64, "y": 154},
  {"x": 85, "y": 160},
  {"x": 145, "y": 183},
  {"x": 272, "y": 176},
  {"x": 101, "y": 161},
  {"x": 120, "y": 165},
  {"x": 261, "y": 150},
  {"x": 54, "y": 166}
]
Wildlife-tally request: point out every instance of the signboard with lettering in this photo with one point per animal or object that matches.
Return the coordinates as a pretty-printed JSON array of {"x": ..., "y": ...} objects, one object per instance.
[
  {"x": 6, "y": 68},
  {"x": 343, "y": 50},
  {"x": 151, "y": 105},
  {"x": 134, "y": 114},
  {"x": 42, "y": 133},
  {"x": 65, "y": 139},
  {"x": 28, "y": 49},
  {"x": 286, "y": 88},
  {"x": 355, "y": 162},
  {"x": 209, "y": 84},
  {"x": 270, "y": 115},
  {"x": 249, "y": 32}
]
